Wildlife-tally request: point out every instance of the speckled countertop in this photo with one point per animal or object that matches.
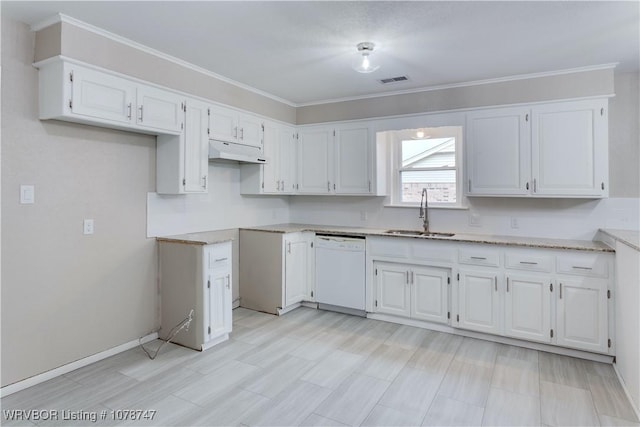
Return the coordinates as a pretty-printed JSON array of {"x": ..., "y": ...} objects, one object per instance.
[
  {"x": 532, "y": 242},
  {"x": 628, "y": 237},
  {"x": 202, "y": 238}
]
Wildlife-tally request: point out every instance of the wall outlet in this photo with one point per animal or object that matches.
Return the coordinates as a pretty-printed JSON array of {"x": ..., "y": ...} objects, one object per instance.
[
  {"x": 514, "y": 222},
  {"x": 88, "y": 226},
  {"x": 474, "y": 220},
  {"x": 363, "y": 215},
  {"x": 27, "y": 194}
]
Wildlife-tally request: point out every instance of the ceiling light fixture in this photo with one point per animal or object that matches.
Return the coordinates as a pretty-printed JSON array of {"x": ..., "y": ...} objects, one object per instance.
[{"x": 363, "y": 62}]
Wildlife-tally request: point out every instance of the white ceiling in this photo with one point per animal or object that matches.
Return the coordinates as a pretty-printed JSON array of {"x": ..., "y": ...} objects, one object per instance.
[{"x": 302, "y": 51}]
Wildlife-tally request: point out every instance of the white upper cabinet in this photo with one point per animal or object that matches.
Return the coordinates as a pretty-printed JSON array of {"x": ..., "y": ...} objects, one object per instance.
[
  {"x": 335, "y": 160},
  {"x": 498, "y": 143},
  {"x": 549, "y": 150},
  {"x": 183, "y": 161},
  {"x": 353, "y": 160},
  {"x": 160, "y": 109},
  {"x": 570, "y": 155},
  {"x": 99, "y": 96},
  {"x": 314, "y": 145},
  {"x": 233, "y": 126},
  {"x": 277, "y": 176}
]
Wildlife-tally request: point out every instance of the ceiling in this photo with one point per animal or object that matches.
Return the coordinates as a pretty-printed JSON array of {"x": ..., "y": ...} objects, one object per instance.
[{"x": 301, "y": 52}]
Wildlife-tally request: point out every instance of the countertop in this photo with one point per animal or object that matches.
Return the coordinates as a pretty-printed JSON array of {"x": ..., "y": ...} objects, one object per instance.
[
  {"x": 202, "y": 238},
  {"x": 628, "y": 237},
  {"x": 532, "y": 242}
]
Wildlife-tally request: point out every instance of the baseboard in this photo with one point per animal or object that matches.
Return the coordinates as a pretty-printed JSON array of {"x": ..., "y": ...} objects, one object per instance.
[
  {"x": 65, "y": 369},
  {"x": 596, "y": 357},
  {"x": 626, "y": 391}
]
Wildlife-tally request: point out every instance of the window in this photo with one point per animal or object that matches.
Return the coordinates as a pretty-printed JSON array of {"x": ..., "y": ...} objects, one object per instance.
[{"x": 426, "y": 158}]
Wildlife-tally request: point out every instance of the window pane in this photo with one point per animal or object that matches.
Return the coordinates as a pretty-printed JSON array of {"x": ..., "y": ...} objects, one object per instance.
[
  {"x": 429, "y": 153},
  {"x": 440, "y": 185}
]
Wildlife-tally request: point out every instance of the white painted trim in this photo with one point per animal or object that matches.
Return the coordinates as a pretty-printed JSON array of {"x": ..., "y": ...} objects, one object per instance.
[
  {"x": 146, "y": 49},
  {"x": 493, "y": 338},
  {"x": 463, "y": 84},
  {"x": 626, "y": 391},
  {"x": 65, "y": 369}
]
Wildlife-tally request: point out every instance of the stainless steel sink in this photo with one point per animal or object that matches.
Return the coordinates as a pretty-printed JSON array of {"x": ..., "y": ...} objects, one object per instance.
[{"x": 417, "y": 233}]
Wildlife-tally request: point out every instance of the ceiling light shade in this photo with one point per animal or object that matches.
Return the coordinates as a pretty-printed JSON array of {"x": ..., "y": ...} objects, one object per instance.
[{"x": 364, "y": 62}]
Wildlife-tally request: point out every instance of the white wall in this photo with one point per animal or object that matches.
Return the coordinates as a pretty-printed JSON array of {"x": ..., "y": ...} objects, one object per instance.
[
  {"x": 562, "y": 219},
  {"x": 221, "y": 209}
]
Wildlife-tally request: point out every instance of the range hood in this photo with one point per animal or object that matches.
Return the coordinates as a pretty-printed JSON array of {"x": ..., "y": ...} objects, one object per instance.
[{"x": 221, "y": 150}]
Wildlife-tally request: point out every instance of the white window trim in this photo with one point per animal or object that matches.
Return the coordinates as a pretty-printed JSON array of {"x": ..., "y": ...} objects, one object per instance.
[{"x": 393, "y": 171}]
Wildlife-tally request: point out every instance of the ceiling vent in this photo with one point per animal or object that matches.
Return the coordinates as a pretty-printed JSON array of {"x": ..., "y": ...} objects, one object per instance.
[{"x": 394, "y": 79}]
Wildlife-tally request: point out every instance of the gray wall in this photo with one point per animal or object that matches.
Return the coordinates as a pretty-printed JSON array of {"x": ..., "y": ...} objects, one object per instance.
[
  {"x": 66, "y": 296},
  {"x": 572, "y": 85},
  {"x": 624, "y": 137}
]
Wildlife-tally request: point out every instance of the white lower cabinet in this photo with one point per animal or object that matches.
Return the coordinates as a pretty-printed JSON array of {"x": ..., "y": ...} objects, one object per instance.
[
  {"x": 195, "y": 277},
  {"x": 582, "y": 315},
  {"x": 277, "y": 270},
  {"x": 298, "y": 261},
  {"x": 412, "y": 291},
  {"x": 550, "y": 296},
  {"x": 478, "y": 301},
  {"x": 527, "y": 307}
]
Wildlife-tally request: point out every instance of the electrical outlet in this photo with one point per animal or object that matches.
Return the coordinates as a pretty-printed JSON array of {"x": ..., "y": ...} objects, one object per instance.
[
  {"x": 474, "y": 220},
  {"x": 514, "y": 222},
  {"x": 363, "y": 215},
  {"x": 88, "y": 226},
  {"x": 27, "y": 194}
]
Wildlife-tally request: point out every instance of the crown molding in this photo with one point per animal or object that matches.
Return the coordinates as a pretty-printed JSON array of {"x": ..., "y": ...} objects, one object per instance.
[
  {"x": 463, "y": 84},
  {"x": 146, "y": 49},
  {"x": 99, "y": 31}
]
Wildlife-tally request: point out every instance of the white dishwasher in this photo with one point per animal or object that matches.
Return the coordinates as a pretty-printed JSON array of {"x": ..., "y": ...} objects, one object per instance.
[{"x": 340, "y": 273}]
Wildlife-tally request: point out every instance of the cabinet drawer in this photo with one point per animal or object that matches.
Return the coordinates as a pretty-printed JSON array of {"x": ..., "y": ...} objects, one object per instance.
[
  {"x": 528, "y": 261},
  {"x": 595, "y": 265},
  {"x": 433, "y": 251},
  {"x": 390, "y": 247},
  {"x": 479, "y": 257},
  {"x": 219, "y": 256}
]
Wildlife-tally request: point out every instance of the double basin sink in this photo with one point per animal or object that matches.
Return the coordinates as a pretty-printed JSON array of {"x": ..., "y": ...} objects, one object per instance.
[{"x": 417, "y": 233}]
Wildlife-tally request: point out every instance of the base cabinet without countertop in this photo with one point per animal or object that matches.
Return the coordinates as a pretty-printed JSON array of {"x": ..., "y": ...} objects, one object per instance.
[
  {"x": 277, "y": 270},
  {"x": 196, "y": 277}
]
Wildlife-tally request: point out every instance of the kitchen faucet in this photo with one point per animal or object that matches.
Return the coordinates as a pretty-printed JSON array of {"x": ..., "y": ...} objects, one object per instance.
[{"x": 424, "y": 209}]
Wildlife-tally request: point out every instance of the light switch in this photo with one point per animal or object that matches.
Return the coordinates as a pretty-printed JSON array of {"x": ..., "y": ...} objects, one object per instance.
[
  {"x": 27, "y": 194},
  {"x": 88, "y": 226}
]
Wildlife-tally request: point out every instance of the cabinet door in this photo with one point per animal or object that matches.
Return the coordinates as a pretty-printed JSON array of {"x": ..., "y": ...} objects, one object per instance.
[
  {"x": 479, "y": 301},
  {"x": 498, "y": 159},
  {"x": 569, "y": 149},
  {"x": 581, "y": 314},
  {"x": 352, "y": 161},
  {"x": 430, "y": 294},
  {"x": 101, "y": 96},
  {"x": 271, "y": 169},
  {"x": 223, "y": 124},
  {"x": 287, "y": 161},
  {"x": 159, "y": 109},
  {"x": 250, "y": 131},
  {"x": 528, "y": 308},
  {"x": 196, "y": 147},
  {"x": 296, "y": 269},
  {"x": 218, "y": 304},
  {"x": 393, "y": 293},
  {"x": 313, "y": 161}
]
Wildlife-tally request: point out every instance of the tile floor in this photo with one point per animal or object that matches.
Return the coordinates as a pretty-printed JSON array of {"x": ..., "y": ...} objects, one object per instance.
[{"x": 318, "y": 368}]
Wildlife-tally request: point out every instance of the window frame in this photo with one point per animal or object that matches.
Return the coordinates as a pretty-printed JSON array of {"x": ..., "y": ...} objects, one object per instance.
[{"x": 395, "y": 166}]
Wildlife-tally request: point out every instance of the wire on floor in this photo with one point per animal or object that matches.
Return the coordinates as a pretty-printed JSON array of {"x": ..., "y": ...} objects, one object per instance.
[{"x": 180, "y": 326}]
